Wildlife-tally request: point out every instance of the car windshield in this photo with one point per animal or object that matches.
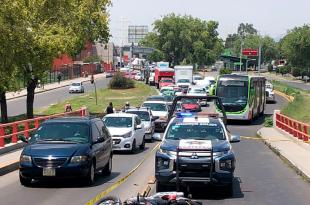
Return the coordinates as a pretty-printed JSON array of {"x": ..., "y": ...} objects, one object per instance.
[
  {"x": 166, "y": 80},
  {"x": 144, "y": 115},
  {"x": 199, "y": 91},
  {"x": 166, "y": 89},
  {"x": 197, "y": 78},
  {"x": 156, "y": 106},
  {"x": 156, "y": 98},
  {"x": 189, "y": 101},
  {"x": 121, "y": 122},
  {"x": 201, "y": 131},
  {"x": 71, "y": 132},
  {"x": 183, "y": 81},
  {"x": 76, "y": 84}
]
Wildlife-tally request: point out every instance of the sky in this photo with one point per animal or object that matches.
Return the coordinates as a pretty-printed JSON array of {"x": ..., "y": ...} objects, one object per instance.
[{"x": 269, "y": 17}]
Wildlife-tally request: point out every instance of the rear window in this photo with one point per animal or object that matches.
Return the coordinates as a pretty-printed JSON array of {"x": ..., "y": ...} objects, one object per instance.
[
  {"x": 201, "y": 131},
  {"x": 76, "y": 84},
  {"x": 155, "y": 106},
  {"x": 144, "y": 116},
  {"x": 118, "y": 121}
]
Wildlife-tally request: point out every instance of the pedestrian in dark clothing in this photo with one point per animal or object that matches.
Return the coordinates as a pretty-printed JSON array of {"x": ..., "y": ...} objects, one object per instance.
[
  {"x": 59, "y": 78},
  {"x": 110, "y": 109}
]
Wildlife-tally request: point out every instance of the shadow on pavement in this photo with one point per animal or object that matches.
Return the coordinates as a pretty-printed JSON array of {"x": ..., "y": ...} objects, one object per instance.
[
  {"x": 217, "y": 193},
  {"x": 73, "y": 183}
]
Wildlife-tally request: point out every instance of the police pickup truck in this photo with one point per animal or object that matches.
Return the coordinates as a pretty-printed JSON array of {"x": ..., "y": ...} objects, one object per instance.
[{"x": 196, "y": 150}]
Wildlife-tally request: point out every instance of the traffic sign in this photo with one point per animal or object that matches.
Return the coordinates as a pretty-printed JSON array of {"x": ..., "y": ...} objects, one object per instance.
[{"x": 250, "y": 52}]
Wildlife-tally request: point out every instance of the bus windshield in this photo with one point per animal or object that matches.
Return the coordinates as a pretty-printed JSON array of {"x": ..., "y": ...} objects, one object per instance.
[{"x": 234, "y": 94}]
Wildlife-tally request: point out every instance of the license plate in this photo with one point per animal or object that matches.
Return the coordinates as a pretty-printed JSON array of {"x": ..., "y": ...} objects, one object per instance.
[{"x": 49, "y": 172}]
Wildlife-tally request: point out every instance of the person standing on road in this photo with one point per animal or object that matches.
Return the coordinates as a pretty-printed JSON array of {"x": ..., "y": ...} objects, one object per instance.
[{"x": 110, "y": 108}]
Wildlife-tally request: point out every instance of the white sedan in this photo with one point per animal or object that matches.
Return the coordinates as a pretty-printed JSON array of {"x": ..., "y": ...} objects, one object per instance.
[
  {"x": 76, "y": 87},
  {"x": 127, "y": 131}
]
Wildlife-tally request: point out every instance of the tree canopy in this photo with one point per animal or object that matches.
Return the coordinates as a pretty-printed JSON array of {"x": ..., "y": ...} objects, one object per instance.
[{"x": 185, "y": 40}]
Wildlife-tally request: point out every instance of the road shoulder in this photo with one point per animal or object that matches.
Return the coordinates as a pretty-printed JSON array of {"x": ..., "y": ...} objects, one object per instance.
[{"x": 295, "y": 154}]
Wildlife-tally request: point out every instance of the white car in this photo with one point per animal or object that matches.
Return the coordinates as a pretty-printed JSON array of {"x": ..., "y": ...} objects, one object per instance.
[
  {"x": 147, "y": 119},
  {"x": 127, "y": 131},
  {"x": 197, "y": 91},
  {"x": 165, "y": 88},
  {"x": 270, "y": 96},
  {"x": 76, "y": 87},
  {"x": 197, "y": 78},
  {"x": 138, "y": 76},
  {"x": 159, "y": 109},
  {"x": 152, "y": 78}
]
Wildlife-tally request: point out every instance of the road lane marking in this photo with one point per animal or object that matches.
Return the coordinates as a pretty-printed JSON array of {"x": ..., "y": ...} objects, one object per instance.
[{"x": 120, "y": 181}]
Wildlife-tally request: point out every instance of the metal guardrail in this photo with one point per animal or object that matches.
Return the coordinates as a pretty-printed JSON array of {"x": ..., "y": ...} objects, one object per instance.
[
  {"x": 298, "y": 129},
  {"x": 24, "y": 127}
]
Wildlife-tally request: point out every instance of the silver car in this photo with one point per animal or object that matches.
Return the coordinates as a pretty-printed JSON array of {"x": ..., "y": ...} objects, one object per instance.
[{"x": 76, "y": 87}]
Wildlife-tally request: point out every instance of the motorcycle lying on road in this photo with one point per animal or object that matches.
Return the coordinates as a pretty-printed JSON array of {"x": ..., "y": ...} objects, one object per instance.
[{"x": 161, "y": 198}]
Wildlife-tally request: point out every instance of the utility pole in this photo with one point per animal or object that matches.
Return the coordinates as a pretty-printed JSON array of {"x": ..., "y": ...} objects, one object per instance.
[
  {"x": 259, "y": 56},
  {"x": 241, "y": 48}
]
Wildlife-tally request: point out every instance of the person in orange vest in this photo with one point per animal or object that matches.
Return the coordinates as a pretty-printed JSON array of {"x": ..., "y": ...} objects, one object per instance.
[{"x": 68, "y": 107}]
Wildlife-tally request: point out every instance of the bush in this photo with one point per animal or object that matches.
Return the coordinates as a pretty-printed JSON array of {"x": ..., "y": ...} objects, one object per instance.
[
  {"x": 268, "y": 122},
  {"x": 120, "y": 82},
  {"x": 225, "y": 71},
  {"x": 284, "y": 70}
]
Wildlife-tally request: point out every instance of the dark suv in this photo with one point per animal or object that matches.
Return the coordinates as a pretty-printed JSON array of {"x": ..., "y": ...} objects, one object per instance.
[{"x": 67, "y": 147}]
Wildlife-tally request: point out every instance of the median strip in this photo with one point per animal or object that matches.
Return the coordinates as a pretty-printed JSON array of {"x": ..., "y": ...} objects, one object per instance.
[{"x": 120, "y": 181}]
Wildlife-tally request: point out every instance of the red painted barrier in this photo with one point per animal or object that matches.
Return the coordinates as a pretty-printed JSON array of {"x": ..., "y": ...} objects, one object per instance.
[
  {"x": 26, "y": 126},
  {"x": 298, "y": 129}
]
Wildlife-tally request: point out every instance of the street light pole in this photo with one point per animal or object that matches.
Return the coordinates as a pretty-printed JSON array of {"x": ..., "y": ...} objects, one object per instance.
[
  {"x": 241, "y": 47},
  {"x": 259, "y": 56}
]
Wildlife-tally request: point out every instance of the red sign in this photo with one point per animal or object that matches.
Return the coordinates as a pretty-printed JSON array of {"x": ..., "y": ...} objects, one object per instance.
[{"x": 250, "y": 52}]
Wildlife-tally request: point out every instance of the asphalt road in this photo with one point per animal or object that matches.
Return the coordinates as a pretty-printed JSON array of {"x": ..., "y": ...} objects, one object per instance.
[
  {"x": 17, "y": 106},
  {"x": 297, "y": 84},
  {"x": 68, "y": 192},
  {"x": 261, "y": 177}
]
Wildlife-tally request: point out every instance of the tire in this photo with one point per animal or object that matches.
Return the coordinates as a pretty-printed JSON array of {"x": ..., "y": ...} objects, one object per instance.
[
  {"x": 134, "y": 147},
  {"x": 107, "y": 170},
  {"x": 228, "y": 190},
  {"x": 25, "y": 181},
  {"x": 90, "y": 178},
  {"x": 109, "y": 200},
  {"x": 160, "y": 187},
  {"x": 142, "y": 146}
]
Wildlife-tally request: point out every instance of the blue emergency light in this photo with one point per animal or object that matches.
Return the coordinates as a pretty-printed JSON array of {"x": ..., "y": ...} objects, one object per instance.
[{"x": 184, "y": 114}]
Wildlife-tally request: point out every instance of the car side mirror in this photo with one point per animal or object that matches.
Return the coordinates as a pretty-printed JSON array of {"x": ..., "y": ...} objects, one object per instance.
[
  {"x": 156, "y": 136},
  {"x": 23, "y": 139},
  {"x": 234, "y": 138},
  {"x": 99, "y": 140},
  {"x": 138, "y": 127},
  {"x": 155, "y": 118}
]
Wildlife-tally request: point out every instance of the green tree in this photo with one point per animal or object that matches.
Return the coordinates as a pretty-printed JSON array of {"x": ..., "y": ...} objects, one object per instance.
[
  {"x": 184, "y": 39},
  {"x": 295, "y": 47},
  {"x": 57, "y": 27},
  {"x": 156, "y": 56},
  {"x": 13, "y": 38}
]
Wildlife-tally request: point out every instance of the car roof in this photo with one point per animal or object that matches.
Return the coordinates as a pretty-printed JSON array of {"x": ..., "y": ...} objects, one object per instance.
[
  {"x": 196, "y": 120},
  {"x": 71, "y": 120},
  {"x": 120, "y": 114},
  {"x": 142, "y": 109},
  {"x": 155, "y": 102}
]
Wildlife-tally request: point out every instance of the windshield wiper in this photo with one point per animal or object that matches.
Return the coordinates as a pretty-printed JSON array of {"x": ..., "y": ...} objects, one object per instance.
[{"x": 56, "y": 140}]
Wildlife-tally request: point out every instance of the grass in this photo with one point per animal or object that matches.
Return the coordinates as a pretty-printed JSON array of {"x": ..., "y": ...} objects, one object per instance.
[
  {"x": 117, "y": 96},
  {"x": 299, "y": 109}
]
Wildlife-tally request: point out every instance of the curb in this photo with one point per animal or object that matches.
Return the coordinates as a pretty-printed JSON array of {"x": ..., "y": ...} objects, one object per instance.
[
  {"x": 9, "y": 168},
  {"x": 42, "y": 91},
  {"x": 284, "y": 159},
  {"x": 287, "y": 97}
]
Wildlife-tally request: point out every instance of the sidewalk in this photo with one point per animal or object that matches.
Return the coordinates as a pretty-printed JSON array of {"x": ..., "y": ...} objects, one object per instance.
[
  {"x": 295, "y": 151},
  {"x": 52, "y": 86}
]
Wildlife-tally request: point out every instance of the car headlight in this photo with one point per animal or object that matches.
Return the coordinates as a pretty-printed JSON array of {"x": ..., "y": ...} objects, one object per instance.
[
  {"x": 227, "y": 164},
  {"x": 78, "y": 159},
  {"x": 25, "y": 159},
  {"x": 164, "y": 163},
  {"x": 127, "y": 135}
]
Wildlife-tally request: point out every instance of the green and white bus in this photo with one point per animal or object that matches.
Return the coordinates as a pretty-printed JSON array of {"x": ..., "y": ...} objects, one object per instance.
[{"x": 243, "y": 96}]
